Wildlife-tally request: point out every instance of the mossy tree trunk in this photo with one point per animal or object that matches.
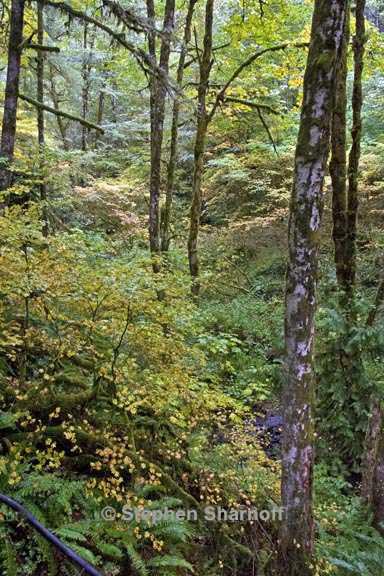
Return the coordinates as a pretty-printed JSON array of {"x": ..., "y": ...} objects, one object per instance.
[
  {"x": 40, "y": 112},
  {"x": 166, "y": 216},
  {"x": 297, "y": 530},
  {"x": 354, "y": 156},
  {"x": 157, "y": 106},
  {"x": 205, "y": 63},
  {"x": 11, "y": 92},
  {"x": 338, "y": 163}
]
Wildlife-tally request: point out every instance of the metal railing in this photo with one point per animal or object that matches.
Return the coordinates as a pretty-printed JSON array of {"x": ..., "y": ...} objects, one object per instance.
[{"x": 59, "y": 545}]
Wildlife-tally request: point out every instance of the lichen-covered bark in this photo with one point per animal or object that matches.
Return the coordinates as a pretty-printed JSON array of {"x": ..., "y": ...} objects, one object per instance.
[
  {"x": 166, "y": 217},
  {"x": 296, "y": 538},
  {"x": 157, "y": 105},
  {"x": 354, "y": 156},
  {"x": 201, "y": 131},
  {"x": 338, "y": 163},
  {"x": 11, "y": 91}
]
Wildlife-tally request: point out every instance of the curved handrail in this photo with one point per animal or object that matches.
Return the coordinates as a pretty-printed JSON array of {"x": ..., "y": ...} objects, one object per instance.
[{"x": 70, "y": 554}]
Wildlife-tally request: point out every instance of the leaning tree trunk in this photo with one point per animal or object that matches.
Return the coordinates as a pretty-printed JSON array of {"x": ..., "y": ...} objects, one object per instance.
[
  {"x": 40, "y": 112},
  {"x": 8, "y": 134},
  {"x": 166, "y": 216},
  {"x": 201, "y": 132},
  {"x": 354, "y": 156},
  {"x": 338, "y": 163},
  {"x": 297, "y": 530},
  {"x": 157, "y": 105}
]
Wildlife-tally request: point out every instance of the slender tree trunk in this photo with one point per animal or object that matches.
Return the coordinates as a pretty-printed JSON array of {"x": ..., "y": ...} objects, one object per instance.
[
  {"x": 85, "y": 87},
  {"x": 40, "y": 112},
  {"x": 297, "y": 530},
  {"x": 157, "y": 105},
  {"x": 60, "y": 123},
  {"x": 201, "y": 132},
  {"x": 100, "y": 110},
  {"x": 166, "y": 216},
  {"x": 354, "y": 156},
  {"x": 8, "y": 134},
  {"x": 338, "y": 163}
]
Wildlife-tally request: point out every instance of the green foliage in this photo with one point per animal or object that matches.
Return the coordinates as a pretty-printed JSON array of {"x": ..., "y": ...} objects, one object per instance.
[
  {"x": 344, "y": 406},
  {"x": 347, "y": 544}
]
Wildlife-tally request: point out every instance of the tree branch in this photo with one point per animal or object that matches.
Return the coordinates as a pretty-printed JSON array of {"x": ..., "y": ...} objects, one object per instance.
[
  {"x": 141, "y": 56},
  {"x": 47, "y": 108},
  {"x": 251, "y": 104},
  {"x": 32, "y": 46},
  {"x": 129, "y": 19},
  {"x": 266, "y": 128},
  {"x": 220, "y": 96}
]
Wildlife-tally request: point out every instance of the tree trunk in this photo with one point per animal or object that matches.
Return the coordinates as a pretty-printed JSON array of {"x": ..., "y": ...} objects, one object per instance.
[
  {"x": 338, "y": 164},
  {"x": 372, "y": 462},
  {"x": 157, "y": 105},
  {"x": 201, "y": 131},
  {"x": 354, "y": 156},
  {"x": 378, "y": 486},
  {"x": 166, "y": 216},
  {"x": 40, "y": 113},
  {"x": 371, "y": 452},
  {"x": 100, "y": 110},
  {"x": 297, "y": 530},
  {"x": 59, "y": 119},
  {"x": 85, "y": 87},
  {"x": 11, "y": 92}
]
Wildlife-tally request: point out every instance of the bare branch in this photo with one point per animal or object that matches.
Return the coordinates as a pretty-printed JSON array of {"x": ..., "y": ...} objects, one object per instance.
[
  {"x": 220, "y": 96},
  {"x": 266, "y": 128}
]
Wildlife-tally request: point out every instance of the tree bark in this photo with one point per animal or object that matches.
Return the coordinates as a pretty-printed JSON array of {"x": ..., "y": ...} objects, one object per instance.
[
  {"x": 354, "y": 156},
  {"x": 166, "y": 216},
  {"x": 297, "y": 530},
  {"x": 338, "y": 163},
  {"x": 40, "y": 114},
  {"x": 157, "y": 105},
  {"x": 8, "y": 134},
  {"x": 201, "y": 132}
]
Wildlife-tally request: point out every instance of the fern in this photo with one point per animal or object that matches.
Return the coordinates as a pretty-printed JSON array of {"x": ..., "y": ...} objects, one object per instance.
[
  {"x": 136, "y": 560},
  {"x": 169, "y": 561}
]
